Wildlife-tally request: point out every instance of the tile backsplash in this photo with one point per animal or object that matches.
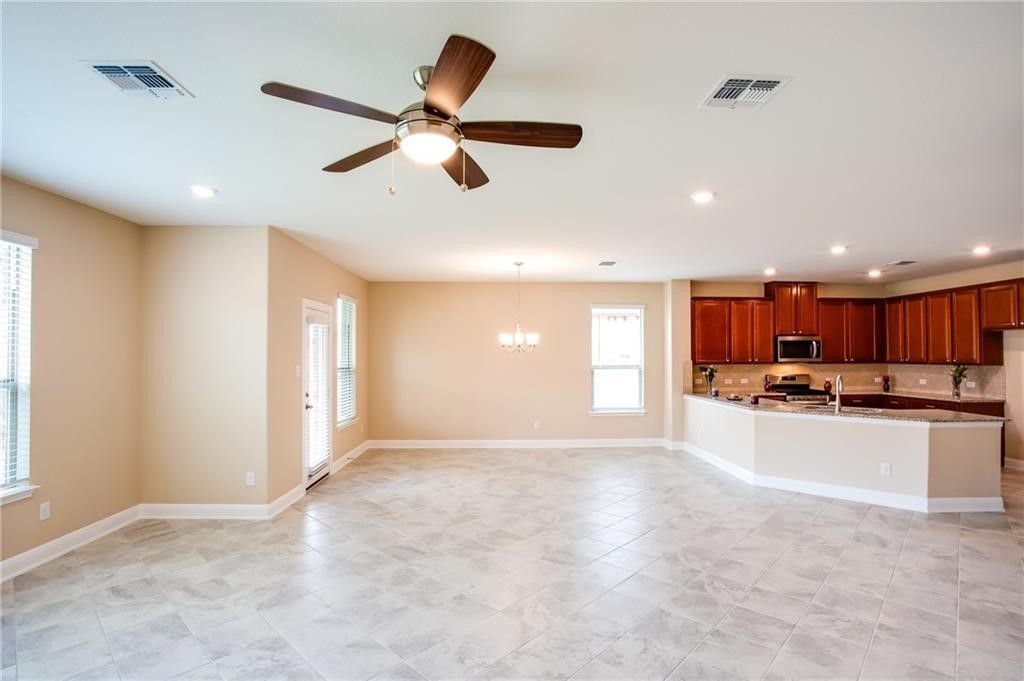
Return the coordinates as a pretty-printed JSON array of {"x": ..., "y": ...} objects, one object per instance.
[{"x": 989, "y": 381}]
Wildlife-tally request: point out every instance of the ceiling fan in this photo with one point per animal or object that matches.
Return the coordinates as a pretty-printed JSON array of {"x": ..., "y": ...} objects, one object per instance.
[{"x": 429, "y": 131}]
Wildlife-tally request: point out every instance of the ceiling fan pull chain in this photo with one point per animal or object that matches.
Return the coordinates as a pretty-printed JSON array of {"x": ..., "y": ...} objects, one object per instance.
[
  {"x": 391, "y": 187},
  {"x": 463, "y": 186}
]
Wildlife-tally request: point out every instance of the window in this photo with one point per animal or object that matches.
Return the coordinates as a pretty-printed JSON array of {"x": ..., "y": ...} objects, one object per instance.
[
  {"x": 617, "y": 359},
  {"x": 346, "y": 388},
  {"x": 15, "y": 347}
]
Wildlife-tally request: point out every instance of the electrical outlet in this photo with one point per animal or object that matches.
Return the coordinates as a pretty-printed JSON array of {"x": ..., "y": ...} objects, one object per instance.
[
  {"x": 922, "y": 381},
  {"x": 44, "y": 511},
  {"x": 699, "y": 381},
  {"x": 885, "y": 469},
  {"x": 972, "y": 384},
  {"x": 744, "y": 381},
  {"x": 728, "y": 381},
  {"x": 878, "y": 379},
  {"x": 536, "y": 425},
  {"x": 250, "y": 479}
]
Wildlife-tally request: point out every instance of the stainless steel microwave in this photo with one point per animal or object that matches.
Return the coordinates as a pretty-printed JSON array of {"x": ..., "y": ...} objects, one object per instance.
[{"x": 798, "y": 348}]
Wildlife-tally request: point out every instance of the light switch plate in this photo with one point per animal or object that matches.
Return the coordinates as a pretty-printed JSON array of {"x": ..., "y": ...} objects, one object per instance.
[
  {"x": 972, "y": 384},
  {"x": 922, "y": 381},
  {"x": 44, "y": 511},
  {"x": 250, "y": 479},
  {"x": 744, "y": 381},
  {"x": 885, "y": 469},
  {"x": 728, "y": 381},
  {"x": 878, "y": 379}
]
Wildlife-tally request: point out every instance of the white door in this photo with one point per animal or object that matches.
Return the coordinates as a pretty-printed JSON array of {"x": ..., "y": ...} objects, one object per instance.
[{"x": 316, "y": 390}]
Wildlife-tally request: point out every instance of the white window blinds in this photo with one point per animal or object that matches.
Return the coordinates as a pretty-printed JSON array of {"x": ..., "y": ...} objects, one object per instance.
[
  {"x": 15, "y": 353},
  {"x": 346, "y": 387},
  {"x": 617, "y": 358}
]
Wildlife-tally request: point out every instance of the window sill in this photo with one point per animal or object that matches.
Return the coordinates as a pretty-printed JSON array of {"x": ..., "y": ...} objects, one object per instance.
[
  {"x": 345, "y": 424},
  {"x": 22, "y": 490},
  {"x": 618, "y": 412}
]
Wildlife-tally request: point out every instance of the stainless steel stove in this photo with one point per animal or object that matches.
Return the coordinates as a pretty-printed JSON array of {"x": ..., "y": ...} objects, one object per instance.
[{"x": 797, "y": 388}]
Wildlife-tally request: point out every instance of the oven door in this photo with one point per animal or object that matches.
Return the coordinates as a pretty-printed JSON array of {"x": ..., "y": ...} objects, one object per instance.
[{"x": 798, "y": 349}]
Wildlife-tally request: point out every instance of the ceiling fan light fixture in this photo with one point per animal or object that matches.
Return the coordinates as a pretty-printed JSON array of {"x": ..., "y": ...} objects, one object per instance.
[
  {"x": 425, "y": 138},
  {"x": 428, "y": 148}
]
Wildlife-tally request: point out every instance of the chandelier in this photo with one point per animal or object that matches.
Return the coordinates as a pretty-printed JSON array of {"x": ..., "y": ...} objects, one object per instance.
[{"x": 518, "y": 340}]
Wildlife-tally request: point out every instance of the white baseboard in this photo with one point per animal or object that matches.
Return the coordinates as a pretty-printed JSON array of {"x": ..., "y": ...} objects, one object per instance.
[
  {"x": 716, "y": 461},
  {"x": 350, "y": 456},
  {"x": 516, "y": 444},
  {"x": 284, "y": 501},
  {"x": 858, "y": 494},
  {"x": 1015, "y": 464},
  {"x": 27, "y": 560}
]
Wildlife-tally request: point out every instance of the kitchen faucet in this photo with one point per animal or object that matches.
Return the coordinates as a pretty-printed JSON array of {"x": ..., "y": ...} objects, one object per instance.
[{"x": 839, "y": 392}]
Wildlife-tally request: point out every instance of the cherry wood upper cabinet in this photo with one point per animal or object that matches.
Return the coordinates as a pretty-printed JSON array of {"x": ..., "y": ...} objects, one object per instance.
[
  {"x": 915, "y": 317},
  {"x": 741, "y": 332},
  {"x": 796, "y": 307},
  {"x": 895, "y": 331},
  {"x": 940, "y": 328},
  {"x": 966, "y": 327},
  {"x": 807, "y": 308},
  {"x": 1000, "y": 306},
  {"x": 711, "y": 331},
  {"x": 1020, "y": 303},
  {"x": 863, "y": 331},
  {"x": 763, "y": 331},
  {"x": 832, "y": 325}
]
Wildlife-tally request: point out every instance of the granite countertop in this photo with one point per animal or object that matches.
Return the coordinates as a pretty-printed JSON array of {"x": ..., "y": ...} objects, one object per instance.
[
  {"x": 925, "y": 415},
  {"x": 894, "y": 393}
]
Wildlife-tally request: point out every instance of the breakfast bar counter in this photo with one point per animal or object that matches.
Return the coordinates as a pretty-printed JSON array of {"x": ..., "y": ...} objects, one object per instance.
[{"x": 919, "y": 459}]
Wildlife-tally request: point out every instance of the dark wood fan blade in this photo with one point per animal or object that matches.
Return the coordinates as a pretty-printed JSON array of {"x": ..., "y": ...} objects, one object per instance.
[
  {"x": 475, "y": 176},
  {"x": 460, "y": 68},
  {"x": 318, "y": 99},
  {"x": 361, "y": 157},
  {"x": 559, "y": 135}
]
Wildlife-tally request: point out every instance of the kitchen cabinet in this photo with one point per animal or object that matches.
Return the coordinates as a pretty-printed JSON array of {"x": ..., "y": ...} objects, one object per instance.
[
  {"x": 1000, "y": 306},
  {"x": 711, "y": 332},
  {"x": 966, "y": 327},
  {"x": 796, "y": 307},
  {"x": 763, "y": 313},
  {"x": 832, "y": 326},
  {"x": 733, "y": 331},
  {"x": 915, "y": 349},
  {"x": 939, "y": 337},
  {"x": 895, "y": 345},
  {"x": 849, "y": 330}
]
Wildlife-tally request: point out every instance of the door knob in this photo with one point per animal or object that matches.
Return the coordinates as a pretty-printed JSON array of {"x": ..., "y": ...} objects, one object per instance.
[{"x": 309, "y": 406}]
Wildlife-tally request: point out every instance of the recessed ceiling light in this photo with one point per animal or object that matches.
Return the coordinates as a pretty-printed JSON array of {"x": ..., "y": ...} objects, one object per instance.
[
  {"x": 201, "y": 191},
  {"x": 769, "y": 271},
  {"x": 838, "y": 249},
  {"x": 874, "y": 274},
  {"x": 703, "y": 196},
  {"x": 982, "y": 250}
]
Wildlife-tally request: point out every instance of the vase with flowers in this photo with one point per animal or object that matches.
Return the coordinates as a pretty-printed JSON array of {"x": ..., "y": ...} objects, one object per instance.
[
  {"x": 709, "y": 373},
  {"x": 957, "y": 375}
]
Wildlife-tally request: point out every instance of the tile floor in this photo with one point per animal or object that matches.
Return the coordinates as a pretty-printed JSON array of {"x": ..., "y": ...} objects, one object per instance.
[{"x": 534, "y": 564}]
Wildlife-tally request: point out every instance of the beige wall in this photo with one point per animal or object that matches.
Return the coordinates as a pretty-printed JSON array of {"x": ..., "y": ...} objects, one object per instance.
[
  {"x": 296, "y": 272},
  {"x": 85, "y": 365},
  {"x": 977, "y": 275},
  {"x": 1013, "y": 358},
  {"x": 678, "y": 362},
  {"x": 204, "y": 361},
  {"x": 437, "y": 371}
]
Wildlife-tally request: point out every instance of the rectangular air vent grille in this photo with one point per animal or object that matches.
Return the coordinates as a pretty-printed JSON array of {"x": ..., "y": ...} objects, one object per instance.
[
  {"x": 900, "y": 263},
  {"x": 743, "y": 92},
  {"x": 139, "y": 78}
]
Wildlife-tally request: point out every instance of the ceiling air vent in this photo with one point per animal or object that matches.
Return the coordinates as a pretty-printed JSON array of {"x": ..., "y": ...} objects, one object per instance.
[
  {"x": 606, "y": 263},
  {"x": 139, "y": 78},
  {"x": 900, "y": 263},
  {"x": 743, "y": 92}
]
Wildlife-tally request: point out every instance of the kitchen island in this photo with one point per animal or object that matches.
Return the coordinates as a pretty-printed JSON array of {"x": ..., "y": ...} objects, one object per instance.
[{"x": 930, "y": 460}]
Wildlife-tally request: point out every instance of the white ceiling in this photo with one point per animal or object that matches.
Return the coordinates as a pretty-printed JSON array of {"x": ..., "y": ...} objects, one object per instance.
[{"x": 900, "y": 133}]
